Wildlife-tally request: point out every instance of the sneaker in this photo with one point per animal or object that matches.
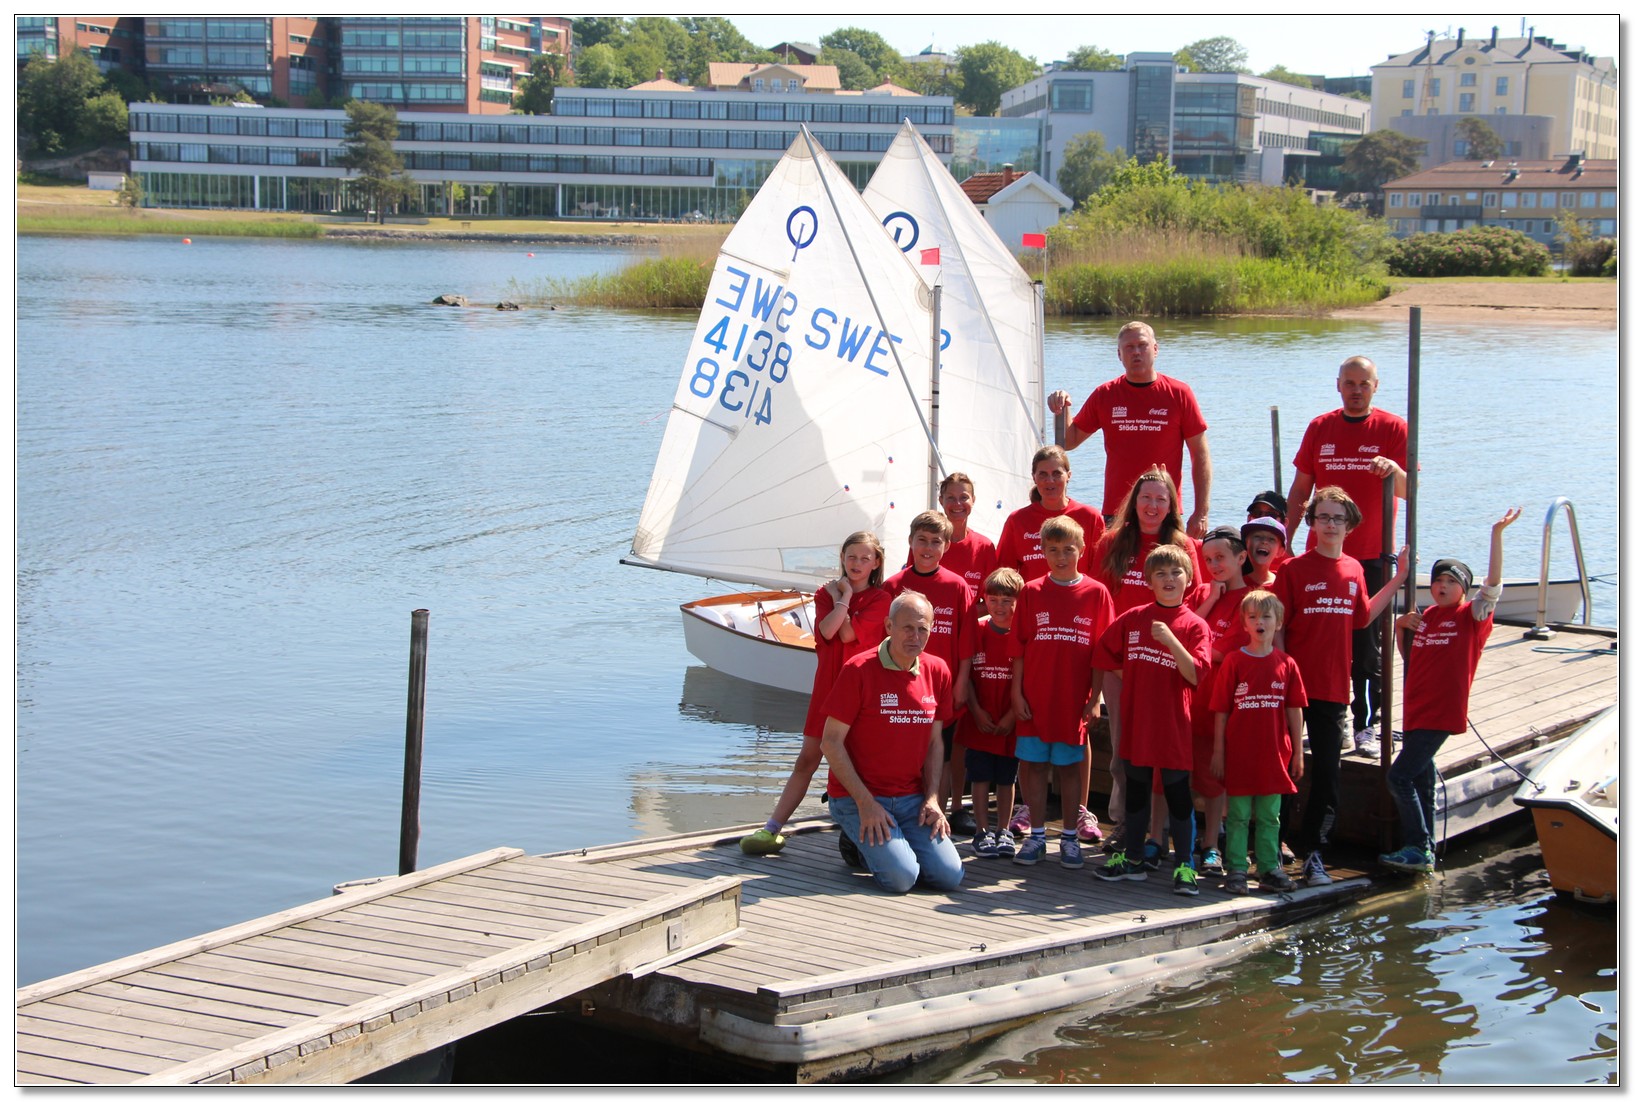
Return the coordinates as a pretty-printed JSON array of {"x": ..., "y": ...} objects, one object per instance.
[
  {"x": 1237, "y": 882},
  {"x": 849, "y": 852},
  {"x": 1072, "y": 856},
  {"x": 1348, "y": 743},
  {"x": 1212, "y": 863},
  {"x": 1154, "y": 858},
  {"x": 1031, "y": 849},
  {"x": 1004, "y": 844},
  {"x": 761, "y": 843},
  {"x": 1409, "y": 859},
  {"x": 1120, "y": 867},
  {"x": 1186, "y": 881},
  {"x": 1089, "y": 829},
  {"x": 1314, "y": 874},
  {"x": 1020, "y": 824},
  {"x": 1368, "y": 743},
  {"x": 962, "y": 823},
  {"x": 1276, "y": 880},
  {"x": 1285, "y": 853},
  {"x": 984, "y": 844}
]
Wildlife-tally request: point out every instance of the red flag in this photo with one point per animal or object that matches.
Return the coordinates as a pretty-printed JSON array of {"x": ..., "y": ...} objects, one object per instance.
[
  {"x": 1033, "y": 240},
  {"x": 931, "y": 256}
]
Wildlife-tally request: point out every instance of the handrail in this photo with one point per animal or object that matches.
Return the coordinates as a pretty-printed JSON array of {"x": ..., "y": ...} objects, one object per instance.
[{"x": 1538, "y": 630}]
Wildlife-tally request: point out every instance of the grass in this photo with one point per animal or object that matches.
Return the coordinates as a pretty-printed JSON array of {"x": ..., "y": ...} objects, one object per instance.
[{"x": 676, "y": 280}]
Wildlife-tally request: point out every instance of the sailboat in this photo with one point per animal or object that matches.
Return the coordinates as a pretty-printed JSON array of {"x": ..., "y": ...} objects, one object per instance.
[{"x": 814, "y": 396}]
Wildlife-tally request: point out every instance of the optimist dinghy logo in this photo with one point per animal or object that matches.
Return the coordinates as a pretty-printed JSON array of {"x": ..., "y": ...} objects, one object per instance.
[{"x": 801, "y": 228}]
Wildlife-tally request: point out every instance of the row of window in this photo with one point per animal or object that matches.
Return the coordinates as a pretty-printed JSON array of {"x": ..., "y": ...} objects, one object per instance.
[
  {"x": 590, "y": 164},
  {"x": 1516, "y": 200},
  {"x": 207, "y": 28},
  {"x": 1501, "y": 85},
  {"x": 251, "y": 124},
  {"x": 1604, "y": 227},
  {"x": 357, "y": 38},
  {"x": 1329, "y": 120},
  {"x": 707, "y": 107},
  {"x": 354, "y": 64},
  {"x": 228, "y": 57}
]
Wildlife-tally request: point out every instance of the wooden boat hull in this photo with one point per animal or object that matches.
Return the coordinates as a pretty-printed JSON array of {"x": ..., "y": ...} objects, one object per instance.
[
  {"x": 1574, "y": 801},
  {"x": 764, "y": 637}
]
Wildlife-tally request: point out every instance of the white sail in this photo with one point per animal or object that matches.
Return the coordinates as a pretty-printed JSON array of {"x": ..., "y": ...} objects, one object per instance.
[
  {"x": 801, "y": 412},
  {"x": 991, "y": 390}
]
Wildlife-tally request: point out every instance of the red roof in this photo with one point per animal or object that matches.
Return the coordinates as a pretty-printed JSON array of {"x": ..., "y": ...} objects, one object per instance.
[{"x": 982, "y": 186}]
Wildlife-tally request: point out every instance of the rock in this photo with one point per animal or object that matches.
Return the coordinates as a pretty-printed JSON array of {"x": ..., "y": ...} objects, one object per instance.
[
  {"x": 451, "y": 300},
  {"x": 507, "y": 306}
]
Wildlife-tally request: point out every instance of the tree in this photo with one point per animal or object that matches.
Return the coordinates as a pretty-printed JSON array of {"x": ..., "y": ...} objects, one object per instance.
[
  {"x": 367, "y": 150},
  {"x": 1376, "y": 159},
  {"x": 1284, "y": 75},
  {"x": 988, "y": 69},
  {"x": 104, "y": 120},
  {"x": 536, "y": 90},
  {"x": 931, "y": 78},
  {"x": 592, "y": 29},
  {"x": 1131, "y": 176},
  {"x": 873, "y": 50},
  {"x": 1093, "y": 59},
  {"x": 855, "y": 74},
  {"x": 1483, "y": 142},
  {"x": 130, "y": 192},
  {"x": 51, "y": 99},
  {"x": 600, "y": 67},
  {"x": 1087, "y": 166},
  {"x": 1216, "y": 55},
  {"x": 712, "y": 38}
]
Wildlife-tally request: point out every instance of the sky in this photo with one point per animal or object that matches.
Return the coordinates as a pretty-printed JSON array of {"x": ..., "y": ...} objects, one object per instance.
[{"x": 1331, "y": 45}]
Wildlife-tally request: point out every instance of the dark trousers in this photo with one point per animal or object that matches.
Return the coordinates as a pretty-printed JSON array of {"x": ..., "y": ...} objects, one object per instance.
[
  {"x": 1367, "y": 685},
  {"x": 1323, "y": 727},
  {"x": 1138, "y": 806},
  {"x": 1412, "y": 781}
]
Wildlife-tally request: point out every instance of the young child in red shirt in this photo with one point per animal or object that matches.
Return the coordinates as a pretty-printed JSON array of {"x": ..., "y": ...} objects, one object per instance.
[
  {"x": 1162, "y": 649},
  {"x": 1440, "y": 648},
  {"x": 1226, "y": 559},
  {"x": 990, "y": 729},
  {"x": 1255, "y": 706},
  {"x": 1325, "y": 598},
  {"x": 1054, "y": 685},
  {"x": 850, "y": 612}
]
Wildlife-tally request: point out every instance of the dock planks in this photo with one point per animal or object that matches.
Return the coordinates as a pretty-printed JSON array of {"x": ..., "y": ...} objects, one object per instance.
[{"x": 335, "y": 989}]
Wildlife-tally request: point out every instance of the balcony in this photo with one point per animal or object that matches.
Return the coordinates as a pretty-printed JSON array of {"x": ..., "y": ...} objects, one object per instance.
[{"x": 1471, "y": 210}]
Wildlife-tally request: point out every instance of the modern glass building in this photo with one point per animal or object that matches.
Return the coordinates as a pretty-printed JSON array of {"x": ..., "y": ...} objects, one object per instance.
[
  {"x": 984, "y": 144},
  {"x": 603, "y": 153}
]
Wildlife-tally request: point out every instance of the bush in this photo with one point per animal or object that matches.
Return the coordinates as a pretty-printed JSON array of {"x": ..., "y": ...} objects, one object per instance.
[
  {"x": 1480, "y": 251},
  {"x": 1590, "y": 258},
  {"x": 1610, "y": 268}
]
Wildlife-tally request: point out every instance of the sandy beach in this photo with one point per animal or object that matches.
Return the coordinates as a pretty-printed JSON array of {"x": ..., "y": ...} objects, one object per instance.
[{"x": 1581, "y": 302}]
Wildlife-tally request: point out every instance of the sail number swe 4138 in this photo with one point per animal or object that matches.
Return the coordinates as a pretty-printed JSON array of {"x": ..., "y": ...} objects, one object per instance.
[{"x": 740, "y": 392}]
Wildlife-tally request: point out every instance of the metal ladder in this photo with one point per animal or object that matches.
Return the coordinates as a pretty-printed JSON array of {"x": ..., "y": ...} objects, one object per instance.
[{"x": 1539, "y": 630}]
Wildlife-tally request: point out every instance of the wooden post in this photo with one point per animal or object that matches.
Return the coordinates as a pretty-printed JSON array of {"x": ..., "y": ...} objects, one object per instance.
[
  {"x": 408, "y": 845},
  {"x": 1277, "y": 455}
]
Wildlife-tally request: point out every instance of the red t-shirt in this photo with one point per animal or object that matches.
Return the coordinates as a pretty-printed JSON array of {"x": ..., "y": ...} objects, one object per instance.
[
  {"x": 1155, "y": 707},
  {"x": 1132, "y": 590},
  {"x": 953, "y": 631},
  {"x": 1256, "y": 693},
  {"x": 1441, "y": 666},
  {"x": 1056, "y": 628},
  {"x": 972, "y": 558},
  {"x": 1324, "y": 601},
  {"x": 867, "y": 612},
  {"x": 889, "y": 713},
  {"x": 1337, "y": 451},
  {"x": 991, "y": 680},
  {"x": 1144, "y": 425},
  {"x": 1019, "y": 545},
  {"x": 1225, "y": 634}
]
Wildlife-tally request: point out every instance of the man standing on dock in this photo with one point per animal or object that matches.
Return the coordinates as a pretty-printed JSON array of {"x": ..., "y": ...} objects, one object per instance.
[
  {"x": 883, "y": 742},
  {"x": 1145, "y": 419},
  {"x": 1356, "y": 447}
]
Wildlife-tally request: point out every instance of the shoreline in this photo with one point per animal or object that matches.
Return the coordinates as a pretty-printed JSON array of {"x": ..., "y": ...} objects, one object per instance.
[{"x": 1586, "y": 303}]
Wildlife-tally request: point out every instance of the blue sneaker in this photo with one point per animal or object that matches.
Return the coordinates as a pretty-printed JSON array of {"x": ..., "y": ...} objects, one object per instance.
[
  {"x": 1032, "y": 848},
  {"x": 1154, "y": 858},
  {"x": 1072, "y": 856},
  {"x": 1409, "y": 859},
  {"x": 1120, "y": 867}
]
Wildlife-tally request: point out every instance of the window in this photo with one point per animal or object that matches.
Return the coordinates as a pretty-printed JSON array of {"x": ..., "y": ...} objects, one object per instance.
[
  {"x": 1467, "y": 101},
  {"x": 1467, "y": 80},
  {"x": 1460, "y": 148},
  {"x": 1609, "y": 199},
  {"x": 1406, "y": 111},
  {"x": 1433, "y": 199},
  {"x": 1501, "y": 86},
  {"x": 1527, "y": 226},
  {"x": 1396, "y": 198},
  {"x": 1490, "y": 199},
  {"x": 1502, "y": 110},
  {"x": 1569, "y": 199},
  {"x": 1549, "y": 227},
  {"x": 777, "y": 84},
  {"x": 1608, "y": 226},
  {"x": 1547, "y": 199},
  {"x": 1407, "y": 89},
  {"x": 760, "y": 84},
  {"x": 1436, "y": 87},
  {"x": 1413, "y": 198},
  {"x": 1529, "y": 199},
  {"x": 1588, "y": 199}
]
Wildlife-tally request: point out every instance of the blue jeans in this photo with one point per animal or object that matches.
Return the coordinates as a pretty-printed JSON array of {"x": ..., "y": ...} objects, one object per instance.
[
  {"x": 909, "y": 854},
  {"x": 1412, "y": 781}
]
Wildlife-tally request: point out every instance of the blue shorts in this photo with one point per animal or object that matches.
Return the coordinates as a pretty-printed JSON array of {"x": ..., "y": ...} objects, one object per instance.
[
  {"x": 986, "y": 767},
  {"x": 1037, "y": 750}
]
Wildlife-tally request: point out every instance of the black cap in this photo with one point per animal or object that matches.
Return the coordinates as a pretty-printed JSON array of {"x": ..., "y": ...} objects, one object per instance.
[
  {"x": 1271, "y": 497},
  {"x": 1223, "y": 532},
  {"x": 1460, "y": 572},
  {"x": 1266, "y": 524}
]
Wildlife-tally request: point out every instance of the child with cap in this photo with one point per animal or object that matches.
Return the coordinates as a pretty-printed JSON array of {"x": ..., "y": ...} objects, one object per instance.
[
  {"x": 1440, "y": 648},
  {"x": 1271, "y": 505},
  {"x": 1267, "y": 541}
]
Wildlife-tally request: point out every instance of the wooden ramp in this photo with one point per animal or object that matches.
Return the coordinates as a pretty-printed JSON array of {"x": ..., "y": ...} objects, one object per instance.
[
  {"x": 336, "y": 989},
  {"x": 835, "y": 979}
]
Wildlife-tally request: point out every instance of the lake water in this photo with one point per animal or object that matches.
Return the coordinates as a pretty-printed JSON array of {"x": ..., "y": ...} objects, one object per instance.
[{"x": 242, "y": 464}]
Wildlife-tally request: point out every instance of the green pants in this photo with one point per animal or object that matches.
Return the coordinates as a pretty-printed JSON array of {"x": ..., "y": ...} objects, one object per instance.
[{"x": 1264, "y": 810}]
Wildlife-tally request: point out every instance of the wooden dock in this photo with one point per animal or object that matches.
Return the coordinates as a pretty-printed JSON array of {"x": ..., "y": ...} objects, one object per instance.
[{"x": 342, "y": 987}]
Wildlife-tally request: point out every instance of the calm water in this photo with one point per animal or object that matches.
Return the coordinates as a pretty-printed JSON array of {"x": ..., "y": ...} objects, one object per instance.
[{"x": 242, "y": 464}]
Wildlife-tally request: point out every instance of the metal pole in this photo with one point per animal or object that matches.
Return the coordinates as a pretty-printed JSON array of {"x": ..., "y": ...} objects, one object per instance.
[
  {"x": 1384, "y": 636},
  {"x": 936, "y": 393},
  {"x": 1412, "y": 504},
  {"x": 1277, "y": 455},
  {"x": 408, "y": 844}
]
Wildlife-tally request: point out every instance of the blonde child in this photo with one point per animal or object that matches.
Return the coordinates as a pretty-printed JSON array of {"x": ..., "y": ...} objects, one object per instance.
[{"x": 990, "y": 732}]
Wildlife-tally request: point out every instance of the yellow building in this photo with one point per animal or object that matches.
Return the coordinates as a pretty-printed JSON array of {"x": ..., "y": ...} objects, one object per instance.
[
  {"x": 1528, "y": 196},
  {"x": 1497, "y": 79}
]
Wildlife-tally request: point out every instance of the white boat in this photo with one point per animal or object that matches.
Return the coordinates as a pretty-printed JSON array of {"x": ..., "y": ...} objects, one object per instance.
[
  {"x": 814, "y": 397},
  {"x": 1519, "y": 601},
  {"x": 1574, "y": 800}
]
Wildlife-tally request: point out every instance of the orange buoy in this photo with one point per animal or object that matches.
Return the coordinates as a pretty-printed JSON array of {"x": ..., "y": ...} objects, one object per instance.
[
  {"x": 530, "y": 254},
  {"x": 187, "y": 241}
]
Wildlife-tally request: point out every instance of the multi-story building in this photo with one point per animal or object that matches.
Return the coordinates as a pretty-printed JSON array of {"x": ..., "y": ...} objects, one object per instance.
[
  {"x": 1529, "y": 196},
  {"x": 451, "y": 63},
  {"x": 1212, "y": 126},
  {"x": 623, "y": 153},
  {"x": 197, "y": 58},
  {"x": 113, "y": 41},
  {"x": 1543, "y": 99}
]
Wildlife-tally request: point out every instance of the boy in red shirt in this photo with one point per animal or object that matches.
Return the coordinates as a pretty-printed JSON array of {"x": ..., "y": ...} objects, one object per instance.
[
  {"x": 954, "y": 606},
  {"x": 990, "y": 729},
  {"x": 1440, "y": 648},
  {"x": 1325, "y": 599},
  {"x": 1225, "y": 558},
  {"x": 1162, "y": 649},
  {"x": 1256, "y": 705},
  {"x": 1054, "y": 685}
]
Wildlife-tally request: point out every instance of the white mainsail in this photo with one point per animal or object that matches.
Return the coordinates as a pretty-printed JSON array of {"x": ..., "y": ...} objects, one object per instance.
[
  {"x": 801, "y": 413},
  {"x": 991, "y": 389}
]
